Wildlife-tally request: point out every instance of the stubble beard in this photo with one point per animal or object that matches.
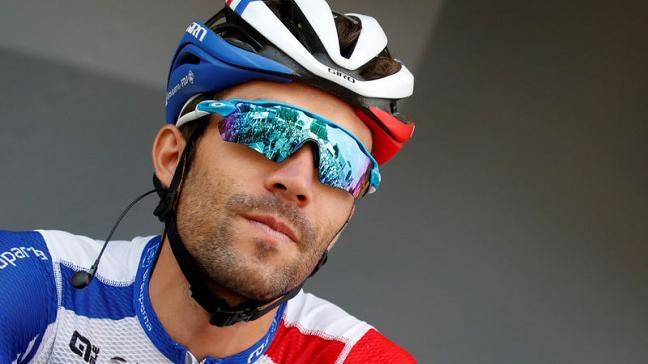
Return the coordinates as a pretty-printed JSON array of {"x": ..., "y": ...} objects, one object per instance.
[{"x": 206, "y": 215}]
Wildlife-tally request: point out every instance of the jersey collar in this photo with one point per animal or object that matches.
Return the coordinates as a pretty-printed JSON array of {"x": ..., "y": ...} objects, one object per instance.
[{"x": 171, "y": 349}]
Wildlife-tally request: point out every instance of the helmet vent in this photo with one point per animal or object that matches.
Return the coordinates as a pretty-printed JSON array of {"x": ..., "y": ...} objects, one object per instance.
[
  {"x": 237, "y": 36},
  {"x": 348, "y": 28},
  {"x": 295, "y": 21},
  {"x": 235, "y": 31},
  {"x": 189, "y": 58}
]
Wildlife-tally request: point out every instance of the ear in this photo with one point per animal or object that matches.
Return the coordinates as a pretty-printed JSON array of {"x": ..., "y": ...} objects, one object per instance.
[
  {"x": 167, "y": 150},
  {"x": 337, "y": 236}
]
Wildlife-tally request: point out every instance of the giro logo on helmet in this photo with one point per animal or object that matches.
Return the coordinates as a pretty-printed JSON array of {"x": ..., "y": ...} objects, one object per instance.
[
  {"x": 343, "y": 75},
  {"x": 197, "y": 31}
]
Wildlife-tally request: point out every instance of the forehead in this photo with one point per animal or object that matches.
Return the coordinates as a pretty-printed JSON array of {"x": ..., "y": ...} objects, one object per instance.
[{"x": 306, "y": 97}]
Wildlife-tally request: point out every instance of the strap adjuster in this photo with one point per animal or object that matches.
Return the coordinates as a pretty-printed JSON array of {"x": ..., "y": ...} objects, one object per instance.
[
  {"x": 223, "y": 318},
  {"x": 167, "y": 202}
]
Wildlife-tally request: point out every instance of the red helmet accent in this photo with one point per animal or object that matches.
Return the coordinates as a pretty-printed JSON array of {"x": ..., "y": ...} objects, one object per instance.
[{"x": 389, "y": 133}]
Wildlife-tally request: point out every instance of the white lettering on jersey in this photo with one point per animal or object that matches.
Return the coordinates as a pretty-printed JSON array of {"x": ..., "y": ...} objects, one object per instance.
[{"x": 9, "y": 257}]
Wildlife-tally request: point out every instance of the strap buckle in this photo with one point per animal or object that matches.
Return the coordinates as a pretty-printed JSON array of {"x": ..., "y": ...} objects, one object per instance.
[{"x": 223, "y": 318}]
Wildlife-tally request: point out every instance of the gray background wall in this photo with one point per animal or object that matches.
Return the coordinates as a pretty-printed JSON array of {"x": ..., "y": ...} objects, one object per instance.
[{"x": 513, "y": 229}]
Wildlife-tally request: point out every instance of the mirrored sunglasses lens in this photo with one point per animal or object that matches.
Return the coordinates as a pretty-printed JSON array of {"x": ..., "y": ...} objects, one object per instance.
[
  {"x": 277, "y": 132},
  {"x": 342, "y": 164}
]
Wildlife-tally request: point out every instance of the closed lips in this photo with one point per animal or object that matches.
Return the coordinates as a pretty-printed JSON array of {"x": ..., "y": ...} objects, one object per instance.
[{"x": 276, "y": 225}]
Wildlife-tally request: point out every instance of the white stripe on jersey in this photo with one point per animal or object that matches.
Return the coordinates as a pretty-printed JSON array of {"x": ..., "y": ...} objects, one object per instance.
[
  {"x": 315, "y": 316},
  {"x": 119, "y": 262}
]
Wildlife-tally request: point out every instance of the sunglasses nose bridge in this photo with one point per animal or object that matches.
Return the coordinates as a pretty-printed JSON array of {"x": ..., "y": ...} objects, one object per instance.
[
  {"x": 295, "y": 177},
  {"x": 314, "y": 148}
]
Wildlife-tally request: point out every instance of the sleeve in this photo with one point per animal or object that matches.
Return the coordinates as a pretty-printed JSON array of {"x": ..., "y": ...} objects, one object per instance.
[
  {"x": 374, "y": 347},
  {"x": 28, "y": 296}
]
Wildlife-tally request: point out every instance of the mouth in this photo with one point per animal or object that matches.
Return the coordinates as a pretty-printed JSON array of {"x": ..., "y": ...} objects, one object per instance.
[{"x": 274, "y": 227}]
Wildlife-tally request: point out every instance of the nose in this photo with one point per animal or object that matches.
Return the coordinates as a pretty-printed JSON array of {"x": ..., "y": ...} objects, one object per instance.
[{"x": 295, "y": 177}]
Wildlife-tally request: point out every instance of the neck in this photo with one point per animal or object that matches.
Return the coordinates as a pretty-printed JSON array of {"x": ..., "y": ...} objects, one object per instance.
[{"x": 188, "y": 323}]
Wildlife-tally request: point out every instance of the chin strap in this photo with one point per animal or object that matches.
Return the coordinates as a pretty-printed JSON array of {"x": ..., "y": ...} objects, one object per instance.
[{"x": 222, "y": 314}]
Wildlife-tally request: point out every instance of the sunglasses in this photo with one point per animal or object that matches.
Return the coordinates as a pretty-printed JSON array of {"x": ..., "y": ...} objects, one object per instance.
[{"x": 277, "y": 130}]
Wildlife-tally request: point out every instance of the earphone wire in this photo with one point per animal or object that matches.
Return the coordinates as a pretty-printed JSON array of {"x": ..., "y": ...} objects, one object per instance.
[{"x": 93, "y": 268}]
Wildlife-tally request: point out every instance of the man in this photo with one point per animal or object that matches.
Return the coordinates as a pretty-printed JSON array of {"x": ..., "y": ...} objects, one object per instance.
[{"x": 279, "y": 113}]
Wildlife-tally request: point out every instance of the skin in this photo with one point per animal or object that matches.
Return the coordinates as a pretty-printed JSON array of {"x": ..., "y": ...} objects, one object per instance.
[{"x": 227, "y": 191}]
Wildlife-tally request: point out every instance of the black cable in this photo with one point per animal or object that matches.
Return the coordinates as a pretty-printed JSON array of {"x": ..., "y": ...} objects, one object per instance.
[{"x": 82, "y": 278}]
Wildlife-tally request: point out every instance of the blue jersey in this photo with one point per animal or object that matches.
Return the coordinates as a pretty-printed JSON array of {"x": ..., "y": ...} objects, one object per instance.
[{"x": 44, "y": 319}]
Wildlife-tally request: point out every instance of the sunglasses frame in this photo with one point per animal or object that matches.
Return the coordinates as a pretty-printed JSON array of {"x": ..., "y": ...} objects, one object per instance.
[{"x": 227, "y": 107}]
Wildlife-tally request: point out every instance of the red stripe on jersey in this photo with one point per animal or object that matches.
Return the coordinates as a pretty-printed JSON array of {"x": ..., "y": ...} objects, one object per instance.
[
  {"x": 374, "y": 347},
  {"x": 292, "y": 346}
]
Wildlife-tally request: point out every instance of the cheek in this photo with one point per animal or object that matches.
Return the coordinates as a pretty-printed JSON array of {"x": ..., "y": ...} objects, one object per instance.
[{"x": 332, "y": 208}]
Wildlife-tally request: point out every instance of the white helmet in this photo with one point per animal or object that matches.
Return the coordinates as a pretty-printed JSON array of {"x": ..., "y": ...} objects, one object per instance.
[{"x": 287, "y": 40}]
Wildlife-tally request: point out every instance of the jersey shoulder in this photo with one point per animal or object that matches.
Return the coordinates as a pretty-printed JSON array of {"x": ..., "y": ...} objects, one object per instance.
[
  {"x": 375, "y": 347},
  {"x": 314, "y": 330},
  {"x": 72, "y": 253},
  {"x": 28, "y": 304}
]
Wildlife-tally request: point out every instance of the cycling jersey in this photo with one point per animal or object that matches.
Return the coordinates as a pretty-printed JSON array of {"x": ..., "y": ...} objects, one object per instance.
[{"x": 44, "y": 319}]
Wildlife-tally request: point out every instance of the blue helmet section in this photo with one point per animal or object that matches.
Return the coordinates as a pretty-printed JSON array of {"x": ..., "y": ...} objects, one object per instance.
[{"x": 206, "y": 63}]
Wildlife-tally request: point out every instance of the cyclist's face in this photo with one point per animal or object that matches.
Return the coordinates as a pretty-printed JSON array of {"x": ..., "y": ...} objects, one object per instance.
[{"x": 258, "y": 227}]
